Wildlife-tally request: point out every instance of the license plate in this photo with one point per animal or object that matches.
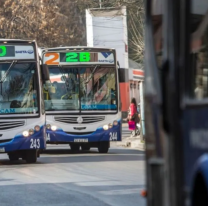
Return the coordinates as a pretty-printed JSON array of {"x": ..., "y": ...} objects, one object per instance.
[{"x": 80, "y": 140}]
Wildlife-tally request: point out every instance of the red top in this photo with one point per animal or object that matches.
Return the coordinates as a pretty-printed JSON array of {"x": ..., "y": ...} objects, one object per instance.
[{"x": 133, "y": 109}]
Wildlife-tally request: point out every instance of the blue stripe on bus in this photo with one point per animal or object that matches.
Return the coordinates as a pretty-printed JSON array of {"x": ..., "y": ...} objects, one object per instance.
[{"x": 98, "y": 106}]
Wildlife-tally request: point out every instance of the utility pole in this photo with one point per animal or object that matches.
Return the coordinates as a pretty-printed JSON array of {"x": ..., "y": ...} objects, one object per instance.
[{"x": 100, "y": 1}]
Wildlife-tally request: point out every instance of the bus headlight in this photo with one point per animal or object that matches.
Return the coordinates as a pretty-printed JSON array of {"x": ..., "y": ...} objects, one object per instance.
[
  {"x": 31, "y": 131},
  {"x": 37, "y": 128},
  {"x": 48, "y": 126},
  {"x": 53, "y": 128},
  {"x": 25, "y": 134},
  {"x": 110, "y": 125},
  {"x": 105, "y": 127},
  {"x": 115, "y": 123}
]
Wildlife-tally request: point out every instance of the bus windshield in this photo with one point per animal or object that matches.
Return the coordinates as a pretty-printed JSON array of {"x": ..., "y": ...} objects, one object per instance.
[
  {"x": 91, "y": 88},
  {"x": 98, "y": 89},
  {"x": 18, "y": 88}
]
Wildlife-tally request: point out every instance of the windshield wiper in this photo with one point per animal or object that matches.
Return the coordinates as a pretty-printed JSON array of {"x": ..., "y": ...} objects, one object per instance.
[
  {"x": 7, "y": 72},
  {"x": 91, "y": 75}
]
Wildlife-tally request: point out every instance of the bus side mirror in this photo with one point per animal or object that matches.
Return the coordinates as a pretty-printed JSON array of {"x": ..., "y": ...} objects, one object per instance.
[
  {"x": 123, "y": 75},
  {"x": 118, "y": 64},
  {"x": 45, "y": 72},
  {"x": 119, "y": 75}
]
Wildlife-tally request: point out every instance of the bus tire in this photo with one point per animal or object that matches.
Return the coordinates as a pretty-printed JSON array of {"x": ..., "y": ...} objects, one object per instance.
[
  {"x": 13, "y": 157},
  {"x": 74, "y": 147},
  {"x": 31, "y": 156},
  {"x": 85, "y": 147},
  {"x": 103, "y": 147}
]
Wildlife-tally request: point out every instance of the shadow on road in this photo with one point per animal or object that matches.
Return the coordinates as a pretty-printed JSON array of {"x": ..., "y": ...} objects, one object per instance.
[
  {"x": 92, "y": 151},
  {"x": 91, "y": 156}
]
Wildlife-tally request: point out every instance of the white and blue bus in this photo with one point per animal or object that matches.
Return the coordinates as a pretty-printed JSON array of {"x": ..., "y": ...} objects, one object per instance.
[
  {"x": 82, "y": 100},
  {"x": 22, "y": 113}
]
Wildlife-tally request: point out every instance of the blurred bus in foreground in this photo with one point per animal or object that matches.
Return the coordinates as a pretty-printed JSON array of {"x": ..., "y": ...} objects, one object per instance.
[{"x": 176, "y": 98}]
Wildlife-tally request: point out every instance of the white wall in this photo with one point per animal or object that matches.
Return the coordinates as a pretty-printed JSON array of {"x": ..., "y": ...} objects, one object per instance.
[
  {"x": 130, "y": 73},
  {"x": 109, "y": 31},
  {"x": 125, "y": 36}
]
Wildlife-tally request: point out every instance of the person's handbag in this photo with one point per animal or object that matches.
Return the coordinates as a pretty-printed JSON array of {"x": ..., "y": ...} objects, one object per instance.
[
  {"x": 137, "y": 119},
  {"x": 132, "y": 125}
]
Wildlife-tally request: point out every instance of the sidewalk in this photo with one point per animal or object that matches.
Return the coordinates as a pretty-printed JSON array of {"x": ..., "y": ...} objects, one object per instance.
[
  {"x": 128, "y": 141},
  {"x": 132, "y": 142}
]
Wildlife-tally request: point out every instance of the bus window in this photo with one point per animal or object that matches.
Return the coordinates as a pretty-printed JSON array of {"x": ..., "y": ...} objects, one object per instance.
[{"x": 199, "y": 50}]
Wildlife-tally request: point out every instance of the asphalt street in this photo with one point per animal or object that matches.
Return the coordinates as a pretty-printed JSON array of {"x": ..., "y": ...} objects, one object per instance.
[{"x": 63, "y": 178}]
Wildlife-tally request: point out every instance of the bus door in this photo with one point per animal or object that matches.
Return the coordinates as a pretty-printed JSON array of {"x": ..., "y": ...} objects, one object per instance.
[
  {"x": 176, "y": 92},
  {"x": 195, "y": 104},
  {"x": 163, "y": 95}
]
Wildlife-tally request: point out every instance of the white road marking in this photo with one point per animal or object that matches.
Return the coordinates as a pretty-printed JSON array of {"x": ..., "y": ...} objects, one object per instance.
[{"x": 120, "y": 192}]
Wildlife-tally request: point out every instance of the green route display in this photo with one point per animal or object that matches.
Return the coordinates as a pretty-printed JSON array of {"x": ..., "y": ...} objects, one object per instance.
[
  {"x": 7, "y": 51},
  {"x": 75, "y": 57},
  {"x": 11, "y": 52}
]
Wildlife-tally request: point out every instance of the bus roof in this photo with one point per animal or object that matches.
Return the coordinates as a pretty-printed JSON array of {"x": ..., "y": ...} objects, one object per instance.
[
  {"x": 17, "y": 40},
  {"x": 78, "y": 48}
]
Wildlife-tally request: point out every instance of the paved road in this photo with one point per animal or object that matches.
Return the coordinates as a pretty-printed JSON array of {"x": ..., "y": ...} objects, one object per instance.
[{"x": 63, "y": 178}]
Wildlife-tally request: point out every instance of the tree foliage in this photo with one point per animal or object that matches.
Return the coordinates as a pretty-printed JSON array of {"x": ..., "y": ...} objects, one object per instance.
[
  {"x": 62, "y": 22},
  {"x": 50, "y": 22}
]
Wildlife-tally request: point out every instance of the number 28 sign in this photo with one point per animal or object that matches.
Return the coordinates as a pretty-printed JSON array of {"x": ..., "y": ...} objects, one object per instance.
[
  {"x": 80, "y": 57},
  {"x": 70, "y": 57}
]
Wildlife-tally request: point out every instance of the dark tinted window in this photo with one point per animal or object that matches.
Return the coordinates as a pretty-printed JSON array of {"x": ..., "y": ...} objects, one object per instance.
[{"x": 199, "y": 49}]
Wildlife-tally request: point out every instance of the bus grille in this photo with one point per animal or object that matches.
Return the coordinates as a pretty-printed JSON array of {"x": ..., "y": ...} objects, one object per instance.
[
  {"x": 11, "y": 124},
  {"x": 5, "y": 140},
  {"x": 73, "y": 120}
]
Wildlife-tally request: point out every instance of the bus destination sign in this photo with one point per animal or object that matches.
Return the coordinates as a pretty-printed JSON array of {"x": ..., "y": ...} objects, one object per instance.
[
  {"x": 65, "y": 58},
  {"x": 8, "y": 52}
]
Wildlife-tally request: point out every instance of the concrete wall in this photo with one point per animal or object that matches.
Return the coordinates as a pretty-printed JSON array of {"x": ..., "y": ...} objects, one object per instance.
[{"x": 108, "y": 29}]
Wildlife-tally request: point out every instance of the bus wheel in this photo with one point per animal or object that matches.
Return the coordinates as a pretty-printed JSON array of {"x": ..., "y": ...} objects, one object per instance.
[
  {"x": 85, "y": 147},
  {"x": 75, "y": 147},
  {"x": 31, "y": 156},
  {"x": 103, "y": 147},
  {"x": 13, "y": 157}
]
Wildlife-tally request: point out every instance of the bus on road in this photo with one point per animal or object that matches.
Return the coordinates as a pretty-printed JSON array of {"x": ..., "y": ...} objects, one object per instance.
[
  {"x": 82, "y": 99},
  {"x": 22, "y": 114}
]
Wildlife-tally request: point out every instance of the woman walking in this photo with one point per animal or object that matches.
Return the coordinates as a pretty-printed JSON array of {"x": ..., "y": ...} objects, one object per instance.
[{"x": 133, "y": 115}]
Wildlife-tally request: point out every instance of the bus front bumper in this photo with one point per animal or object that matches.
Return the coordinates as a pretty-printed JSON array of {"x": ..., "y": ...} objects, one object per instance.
[
  {"x": 19, "y": 142},
  {"x": 60, "y": 136}
]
